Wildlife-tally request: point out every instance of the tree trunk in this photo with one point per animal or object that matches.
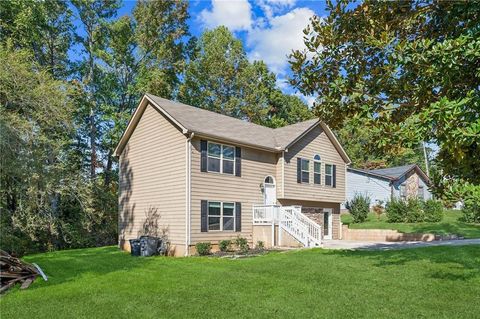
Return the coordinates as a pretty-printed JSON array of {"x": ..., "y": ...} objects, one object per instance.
[
  {"x": 93, "y": 128},
  {"x": 108, "y": 170}
]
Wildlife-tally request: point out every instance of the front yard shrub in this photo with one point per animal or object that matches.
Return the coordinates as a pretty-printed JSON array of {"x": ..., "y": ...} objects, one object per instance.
[
  {"x": 225, "y": 245},
  {"x": 414, "y": 211},
  {"x": 378, "y": 209},
  {"x": 471, "y": 212},
  {"x": 242, "y": 244},
  {"x": 471, "y": 204},
  {"x": 433, "y": 210},
  {"x": 204, "y": 248},
  {"x": 359, "y": 207},
  {"x": 396, "y": 210},
  {"x": 260, "y": 245}
]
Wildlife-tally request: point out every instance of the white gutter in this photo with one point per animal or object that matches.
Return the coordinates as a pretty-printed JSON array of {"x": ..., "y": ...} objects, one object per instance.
[{"x": 188, "y": 193}]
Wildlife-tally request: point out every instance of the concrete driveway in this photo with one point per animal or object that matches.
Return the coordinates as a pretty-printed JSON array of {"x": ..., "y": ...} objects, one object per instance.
[{"x": 365, "y": 245}]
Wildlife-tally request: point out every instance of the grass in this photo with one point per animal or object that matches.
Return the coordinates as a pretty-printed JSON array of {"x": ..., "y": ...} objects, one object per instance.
[
  {"x": 440, "y": 282},
  {"x": 449, "y": 225}
]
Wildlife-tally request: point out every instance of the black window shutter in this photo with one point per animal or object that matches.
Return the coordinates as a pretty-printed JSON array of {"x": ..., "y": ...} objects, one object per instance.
[
  {"x": 238, "y": 161},
  {"x": 204, "y": 217},
  {"x": 334, "y": 172},
  {"x": 238, "y": 216},
  {"x": 203, "y": 151},
  {"x": 299, "y": 170}
]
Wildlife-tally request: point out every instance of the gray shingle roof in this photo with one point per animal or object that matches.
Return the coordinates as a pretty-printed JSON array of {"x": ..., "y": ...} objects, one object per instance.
[
  {"x": 212, "y": 124},
  {"x": 393, "y": 172}
]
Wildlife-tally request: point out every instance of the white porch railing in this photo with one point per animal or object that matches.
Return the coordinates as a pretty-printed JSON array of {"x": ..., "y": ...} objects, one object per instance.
[
  {"x": 292, "y": 220},
  {"x": 265, "y": 214},
  {"x": 301, "y": 227}
]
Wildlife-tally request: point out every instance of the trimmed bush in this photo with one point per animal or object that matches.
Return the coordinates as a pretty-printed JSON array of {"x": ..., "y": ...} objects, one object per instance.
[
  {"x": 396, "y": 211},
  {"x": 203, "y": 249},
  {"x": 433, "y": 210},
  {"x": 414, "y": 211},
  {"x": 471, "y": 212},
  {"x": 242, "y": 244},
  {"x": 359, "y": 207},
  {"x": 471, "y": 204},
  {"x": 224, "y": 245}
]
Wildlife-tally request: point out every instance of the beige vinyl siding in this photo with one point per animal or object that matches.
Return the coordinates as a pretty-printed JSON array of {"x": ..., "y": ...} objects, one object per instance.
[
  {"x": 279, "y": 175},
  {"x": 152, "y": 179},
  {"x": 314, "y": 142},
  {"x": 256, "y": 164}
]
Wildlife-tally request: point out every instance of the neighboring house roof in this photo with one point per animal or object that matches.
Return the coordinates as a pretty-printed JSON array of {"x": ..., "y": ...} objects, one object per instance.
[
  {"x": 210, "y": 124},
  {"x": 393, "y": 173}
]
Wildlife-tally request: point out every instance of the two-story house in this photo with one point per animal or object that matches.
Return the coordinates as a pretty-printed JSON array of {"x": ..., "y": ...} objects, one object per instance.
[{"x": 193, "y": 176}]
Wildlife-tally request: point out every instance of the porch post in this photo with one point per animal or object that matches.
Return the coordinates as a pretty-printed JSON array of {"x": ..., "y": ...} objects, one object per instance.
[{"x": 273, "y": 233}]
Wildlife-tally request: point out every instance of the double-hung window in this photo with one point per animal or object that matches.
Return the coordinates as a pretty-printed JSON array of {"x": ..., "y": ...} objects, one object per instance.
[
  {"x": 305, "y": 170},
  {"x": 403, "y": 191},
  {"x": 317, "y": 169},
  {"x": 221, "y": 158},
  {"x": 421, "y": 193},
  {"x": 221, "y": 216},
  {"x": 328, "y": 174}
]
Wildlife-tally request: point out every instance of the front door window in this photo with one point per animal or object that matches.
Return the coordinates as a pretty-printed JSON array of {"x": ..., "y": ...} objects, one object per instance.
[{"x": 327, "y": 223}]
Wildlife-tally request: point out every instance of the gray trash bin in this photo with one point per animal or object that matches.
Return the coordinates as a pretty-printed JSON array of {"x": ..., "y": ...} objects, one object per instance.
[
  {"x": 148, "y": 246},
  {"x": 135, "y": 247}
]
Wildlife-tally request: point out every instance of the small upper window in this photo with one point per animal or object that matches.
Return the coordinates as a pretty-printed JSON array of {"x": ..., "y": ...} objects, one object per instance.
[
  {"x": 328, "y": 174},
  {"x": 317, "y": 169},
  {"x": 305, "y": 170},
  {"x": 221, "y": 158},
  {"x": 269, "y": 180}
]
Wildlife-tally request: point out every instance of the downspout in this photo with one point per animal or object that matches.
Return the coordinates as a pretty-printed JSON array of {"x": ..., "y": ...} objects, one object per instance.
[
  {"x": 283, "y": 173},
  {"x": 188, "y": 188}
]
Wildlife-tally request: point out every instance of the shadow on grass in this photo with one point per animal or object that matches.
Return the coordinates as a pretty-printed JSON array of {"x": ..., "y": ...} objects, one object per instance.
[
  {"x": 457, "y": 263},
  {"x": 68, "y": 265}
]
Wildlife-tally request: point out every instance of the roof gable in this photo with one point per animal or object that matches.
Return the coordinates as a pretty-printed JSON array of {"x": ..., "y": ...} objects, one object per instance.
[
  {"x": 209, "y": 124},
  {"x": 393, "y": 173}
]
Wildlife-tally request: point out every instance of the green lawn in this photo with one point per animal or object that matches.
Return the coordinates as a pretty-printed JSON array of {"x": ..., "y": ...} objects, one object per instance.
[
  {"x": 449, "y": 225},
  {"x": 440, "y": 282}
]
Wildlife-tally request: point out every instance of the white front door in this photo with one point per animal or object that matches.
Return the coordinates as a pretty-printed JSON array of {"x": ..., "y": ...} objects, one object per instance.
[
  {"x": 269, "y": 191},
  {"x": 327, "y": 223}
]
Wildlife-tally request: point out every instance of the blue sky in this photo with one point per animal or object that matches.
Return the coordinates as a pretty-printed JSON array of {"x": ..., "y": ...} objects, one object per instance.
[{"x": 269, "y": 29}]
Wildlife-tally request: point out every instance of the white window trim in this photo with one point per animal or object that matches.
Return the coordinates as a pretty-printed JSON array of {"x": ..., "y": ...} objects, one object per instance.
[
  {"x": 302, "y": 170},
  {"x": 320, "y": 173},
  {"x": 221, "y": 216},
  {"x": 331, "y": 175},
  {"x": 222, "y": 159}
]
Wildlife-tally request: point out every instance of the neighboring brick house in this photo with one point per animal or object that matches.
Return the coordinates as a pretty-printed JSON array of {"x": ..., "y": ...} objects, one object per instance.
[{"x": 195, "y": 175}]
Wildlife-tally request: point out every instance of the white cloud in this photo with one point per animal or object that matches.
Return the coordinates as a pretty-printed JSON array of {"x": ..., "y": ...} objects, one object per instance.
[
  {"x": 270, "y": 7},
  {"x": 272, "y": 44},
  {"x": 309, "y": 99},
  {"x": 235, "y": 15}
]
